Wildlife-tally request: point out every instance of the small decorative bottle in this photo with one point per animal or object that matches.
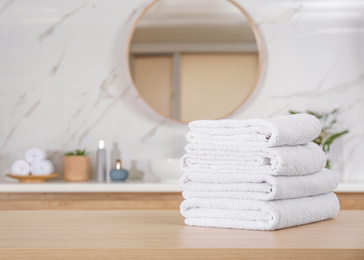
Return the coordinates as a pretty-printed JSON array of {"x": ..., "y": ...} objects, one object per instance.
[
  {"x": 101, "y": 162},
  {"x": 118, "y": 174}
]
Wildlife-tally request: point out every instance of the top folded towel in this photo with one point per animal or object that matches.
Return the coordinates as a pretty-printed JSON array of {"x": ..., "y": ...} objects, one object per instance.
[{"x": 286, "y": 130}]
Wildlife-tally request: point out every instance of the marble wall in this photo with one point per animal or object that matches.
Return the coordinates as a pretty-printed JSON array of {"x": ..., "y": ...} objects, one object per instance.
[{"x": 64, "y": 82}]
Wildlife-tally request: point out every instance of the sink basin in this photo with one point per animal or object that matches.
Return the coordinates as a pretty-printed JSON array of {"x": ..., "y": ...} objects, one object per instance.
[{"x": 167, "y": 170}]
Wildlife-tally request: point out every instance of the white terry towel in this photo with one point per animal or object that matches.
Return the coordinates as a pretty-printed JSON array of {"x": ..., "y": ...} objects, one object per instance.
[
  {"x": 257, "y": 186},
  {"x": 34, "y": 155},
  {"x": 259, "y": 215},
  {"x": 278, "y": 131},
  {"x": 284, "y": 160},
  {"x": 40, "y": 168},
  {"x": 20, "y": 167}
]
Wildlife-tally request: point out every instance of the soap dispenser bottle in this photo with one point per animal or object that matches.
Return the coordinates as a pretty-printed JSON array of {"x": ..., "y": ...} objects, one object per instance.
[
  {"x": 118, "y": 174},
  {"x": 101, "y": 162}
]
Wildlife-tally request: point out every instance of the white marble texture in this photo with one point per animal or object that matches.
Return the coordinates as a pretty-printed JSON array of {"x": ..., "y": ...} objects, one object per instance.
[{"x": 64, "y": 82}]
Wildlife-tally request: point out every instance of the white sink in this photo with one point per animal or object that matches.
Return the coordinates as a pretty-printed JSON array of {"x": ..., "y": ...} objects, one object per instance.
[{"x": 167, "y": 170}]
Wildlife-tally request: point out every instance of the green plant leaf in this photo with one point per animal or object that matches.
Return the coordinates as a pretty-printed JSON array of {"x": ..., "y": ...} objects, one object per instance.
[
  {"x": 314, "y": 114},
  {"x": 332, "y": 138},
  {"x": 334, "y": 111},
  {"x": 77, "y": 152},
  {"x": 318, "y": 140},
  {"x": 328, "y": 166},
  {"x": 293, "y": 112},
  {"x": 332, "y": 122}
]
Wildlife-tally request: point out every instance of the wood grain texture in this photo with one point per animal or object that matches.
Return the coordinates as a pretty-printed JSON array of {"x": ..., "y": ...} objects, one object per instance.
[
  {"x": 177, "y": 254},
  {"x": 161, "y": 234},
  {"x": 90, "y": 201},
  {"x": 122, "y": 200},
  {"x": 351, "y": 201}
]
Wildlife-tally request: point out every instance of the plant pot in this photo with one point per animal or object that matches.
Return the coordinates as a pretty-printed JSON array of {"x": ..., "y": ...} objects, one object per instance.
[{"x": 76, "y": 168}]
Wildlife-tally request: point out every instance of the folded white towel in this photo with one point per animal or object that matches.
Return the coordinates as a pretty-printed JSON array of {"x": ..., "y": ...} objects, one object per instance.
[
  {"x": 257, "y": 186},
  {"x": 259, "y": 215},
  {"x": 283, "y": 160},
  {"x": 34, "y": 155},
  {"x": 40, "y": 168},
  {"x": 20, "y": 167},
  {"x": 278, "y": 131}
]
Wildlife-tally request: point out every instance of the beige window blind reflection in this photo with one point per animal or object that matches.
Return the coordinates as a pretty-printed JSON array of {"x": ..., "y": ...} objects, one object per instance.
[
  {"x": 202, "y": 78},
  {"x": 153, "y": 76}
]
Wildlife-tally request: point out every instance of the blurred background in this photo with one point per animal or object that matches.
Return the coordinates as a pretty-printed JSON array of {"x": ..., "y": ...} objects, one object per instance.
[{"x": 75, "y": 72}]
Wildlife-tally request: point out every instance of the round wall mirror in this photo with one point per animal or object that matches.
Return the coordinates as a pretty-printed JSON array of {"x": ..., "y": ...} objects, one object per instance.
[{"x": 194, "y": 59}]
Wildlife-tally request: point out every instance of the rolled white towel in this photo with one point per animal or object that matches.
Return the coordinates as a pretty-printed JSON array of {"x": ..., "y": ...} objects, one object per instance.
[
  {"x": 284, "y": 160},
  {"x": 40, "y": 168},
  {"x": 278, "y": 131},
  {"x": 34, "y": 155},
  {"x": 259, "y": 215},
  {"x": 257, "y": 186},
  {"x": 20, "y": 167}
]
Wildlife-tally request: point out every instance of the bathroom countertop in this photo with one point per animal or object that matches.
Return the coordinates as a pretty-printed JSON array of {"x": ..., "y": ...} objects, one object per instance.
[
  {"x": 160, "y": 234},
  {"x": 91, "y": 186},
  {"x": 131, "y": 186}
]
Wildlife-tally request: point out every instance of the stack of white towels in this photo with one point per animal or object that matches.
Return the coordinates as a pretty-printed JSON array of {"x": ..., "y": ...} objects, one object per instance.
[
  {"x": 256, "y": 174},
  {"x": 35, "y": 163}
]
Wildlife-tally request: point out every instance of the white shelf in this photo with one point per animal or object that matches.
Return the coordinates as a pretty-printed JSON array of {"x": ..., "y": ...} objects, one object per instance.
[
  {"x": 350, "y": 187},
  {"x": 93, "y": 186}
]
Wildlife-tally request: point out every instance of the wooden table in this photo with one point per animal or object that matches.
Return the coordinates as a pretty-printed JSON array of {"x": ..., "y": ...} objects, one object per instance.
[
  {"x": 161, "y": 234},
  {"x": 120, "y": 200}
]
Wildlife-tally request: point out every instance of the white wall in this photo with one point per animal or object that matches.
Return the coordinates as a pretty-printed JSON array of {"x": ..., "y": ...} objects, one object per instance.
[{"x": 64, "y": 81}]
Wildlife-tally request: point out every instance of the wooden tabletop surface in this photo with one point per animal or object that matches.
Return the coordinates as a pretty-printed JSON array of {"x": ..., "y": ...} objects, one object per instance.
[{"x": 158, "y": 234}]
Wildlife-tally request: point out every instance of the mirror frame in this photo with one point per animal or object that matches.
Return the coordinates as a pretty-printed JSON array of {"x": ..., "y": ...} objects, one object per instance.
[{"x": 259, "y": 43}]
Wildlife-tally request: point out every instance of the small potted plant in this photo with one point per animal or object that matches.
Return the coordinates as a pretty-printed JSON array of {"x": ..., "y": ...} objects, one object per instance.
[{"x": 76, "y": 166}]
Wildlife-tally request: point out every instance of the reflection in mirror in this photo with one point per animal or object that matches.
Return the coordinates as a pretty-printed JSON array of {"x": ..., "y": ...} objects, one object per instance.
[{"x": 194, "y": 59}]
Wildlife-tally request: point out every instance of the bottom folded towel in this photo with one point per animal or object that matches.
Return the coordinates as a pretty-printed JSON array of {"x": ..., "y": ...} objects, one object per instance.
[{"x": 259, "y": 215}]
